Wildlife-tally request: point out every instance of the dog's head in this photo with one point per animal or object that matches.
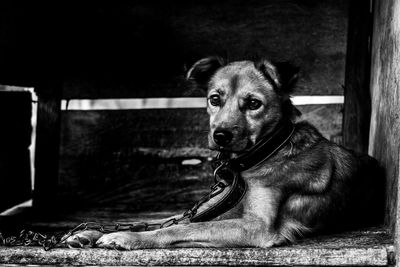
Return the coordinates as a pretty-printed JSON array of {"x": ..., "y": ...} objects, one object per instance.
[{"x": 245, "y": 99}]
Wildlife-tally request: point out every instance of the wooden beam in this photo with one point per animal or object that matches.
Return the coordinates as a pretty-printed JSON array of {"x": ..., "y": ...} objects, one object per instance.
[
  {"x": 385, "y": 118},
  {"x": 357, "y": 103},
  {"x": 47, "y": 144}
]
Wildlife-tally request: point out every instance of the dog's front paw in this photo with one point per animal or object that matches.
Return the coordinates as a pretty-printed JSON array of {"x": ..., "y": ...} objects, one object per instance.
[
  {"x": 123, "y": 241},
  {"x": 82, "y": 239}
]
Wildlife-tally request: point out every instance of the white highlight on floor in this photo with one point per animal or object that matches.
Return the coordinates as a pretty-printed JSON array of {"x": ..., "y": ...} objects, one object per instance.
[{"x": 174, "y": 103}]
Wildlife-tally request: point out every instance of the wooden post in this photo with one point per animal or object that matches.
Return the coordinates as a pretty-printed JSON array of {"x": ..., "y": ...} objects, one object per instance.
[
  {"x": 47, "y": 144},
  {"x": 385, "y": 118},
  {"x": 357, "y": 103}
]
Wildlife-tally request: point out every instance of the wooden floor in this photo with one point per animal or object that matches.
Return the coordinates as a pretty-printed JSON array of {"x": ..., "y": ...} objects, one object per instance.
[
  {"x": 370, "y": 247},
  {"x": 361, "y": 248}
]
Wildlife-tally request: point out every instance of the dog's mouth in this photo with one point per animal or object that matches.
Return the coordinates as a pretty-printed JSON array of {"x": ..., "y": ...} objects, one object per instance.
[
  {"x": 237, "y": 147},
  {"x": 248, "y": 146}
]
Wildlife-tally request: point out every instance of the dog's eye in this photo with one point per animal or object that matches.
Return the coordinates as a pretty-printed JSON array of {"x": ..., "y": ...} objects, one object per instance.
[
  {"x": 215, "y": 100},
  {"x": 254, "y": 104}
]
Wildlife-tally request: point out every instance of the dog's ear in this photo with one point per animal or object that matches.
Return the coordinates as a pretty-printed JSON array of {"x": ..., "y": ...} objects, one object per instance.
[
  {"x": 289, "y": 74},
  {"x": 283, "y": 75},
  {"x": 202, "y": 71}
]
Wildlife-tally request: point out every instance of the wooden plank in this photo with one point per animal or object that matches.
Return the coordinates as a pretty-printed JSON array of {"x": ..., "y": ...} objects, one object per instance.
[
  {"x": 385, "y": 85},
  {"x": 135, "y": 184},
  {"x": 88, "y": 131},
  {"x": 357, "y": 104},
  {"x": 104, "y": 147},
  {"x": 175, "y": 102},
  {"x": 47, "y": 144},
  {"x": 385, "y": 119},
  {"x": 351, "y": 249}
]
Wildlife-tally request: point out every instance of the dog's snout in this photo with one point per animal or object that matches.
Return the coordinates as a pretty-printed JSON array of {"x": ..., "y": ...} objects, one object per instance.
[{"x": 222, "y": 137}]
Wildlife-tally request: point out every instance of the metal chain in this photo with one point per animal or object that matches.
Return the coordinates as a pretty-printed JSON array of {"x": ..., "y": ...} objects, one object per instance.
[{"x": 31, "y": 238}]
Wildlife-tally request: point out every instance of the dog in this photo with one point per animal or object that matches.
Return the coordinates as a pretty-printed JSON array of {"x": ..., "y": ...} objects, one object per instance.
[{"x": 307, "y": 186}]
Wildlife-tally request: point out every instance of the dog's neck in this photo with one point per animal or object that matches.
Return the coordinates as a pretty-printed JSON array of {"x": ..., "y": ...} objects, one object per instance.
[{"x": 262, "y": 150}]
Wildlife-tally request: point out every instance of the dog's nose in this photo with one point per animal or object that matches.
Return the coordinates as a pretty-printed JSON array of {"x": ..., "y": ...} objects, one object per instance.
[{"x": 222, "y": 138}]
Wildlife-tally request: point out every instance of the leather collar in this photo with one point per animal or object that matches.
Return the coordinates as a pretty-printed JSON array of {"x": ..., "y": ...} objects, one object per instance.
[
  {"x": 227, "y": 173},
  {"x": 261, "y": 151}
]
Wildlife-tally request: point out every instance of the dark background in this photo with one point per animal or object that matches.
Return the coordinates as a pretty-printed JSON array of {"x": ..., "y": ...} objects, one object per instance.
[{"x": 143, "y": 49}]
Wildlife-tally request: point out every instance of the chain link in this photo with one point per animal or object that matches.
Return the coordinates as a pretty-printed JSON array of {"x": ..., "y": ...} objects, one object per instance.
[{"x": 30, "y": 238}]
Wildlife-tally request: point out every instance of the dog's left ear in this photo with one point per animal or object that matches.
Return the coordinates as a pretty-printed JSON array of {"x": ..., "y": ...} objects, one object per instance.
[
  {"x": 283, "y": 75},
  {"x": 202, "y": 71}
]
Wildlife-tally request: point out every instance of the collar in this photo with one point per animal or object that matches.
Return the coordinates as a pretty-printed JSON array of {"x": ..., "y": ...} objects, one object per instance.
[
  {"x": 261, "y": 151},
  {"x": 227, "y": 174}
]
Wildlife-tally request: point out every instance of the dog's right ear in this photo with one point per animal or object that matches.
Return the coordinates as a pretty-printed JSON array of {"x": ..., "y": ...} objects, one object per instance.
[
  {"x": 282, "y": 75},
  {"x": 202, "y": 71}
]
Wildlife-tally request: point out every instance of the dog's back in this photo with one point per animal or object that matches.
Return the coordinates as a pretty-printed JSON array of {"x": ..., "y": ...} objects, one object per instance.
[{"x": 346, "y": 190}]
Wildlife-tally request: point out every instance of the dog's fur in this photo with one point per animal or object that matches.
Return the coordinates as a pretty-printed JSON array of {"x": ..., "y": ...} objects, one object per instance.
[{"x": 310, "y": 185}]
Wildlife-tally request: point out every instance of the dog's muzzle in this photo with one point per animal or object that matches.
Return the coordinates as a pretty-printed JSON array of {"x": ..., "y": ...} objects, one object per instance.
[{"x": 222, "y": 137}]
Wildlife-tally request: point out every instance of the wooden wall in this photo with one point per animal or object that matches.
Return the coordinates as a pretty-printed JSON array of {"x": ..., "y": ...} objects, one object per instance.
[
  {"x": 102, "y": 147},
  {"x": 142, "y": 48},
  {"x": 385, "y": 88}
]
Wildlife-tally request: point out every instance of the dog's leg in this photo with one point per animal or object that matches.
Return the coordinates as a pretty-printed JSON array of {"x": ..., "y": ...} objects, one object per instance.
[
  {"x": 88, "y": 238},
  {"x": 249, "y": 232},
  {"x": 82, "y": 239}
]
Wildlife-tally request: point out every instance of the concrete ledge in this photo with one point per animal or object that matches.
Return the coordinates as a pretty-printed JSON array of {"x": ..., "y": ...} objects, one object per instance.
[{"x": 354, "y": 249}]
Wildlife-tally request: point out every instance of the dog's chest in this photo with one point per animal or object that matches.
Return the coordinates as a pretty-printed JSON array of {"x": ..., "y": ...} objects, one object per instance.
[{"x": 261, "y": 201}]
